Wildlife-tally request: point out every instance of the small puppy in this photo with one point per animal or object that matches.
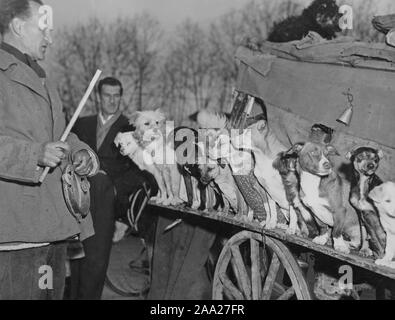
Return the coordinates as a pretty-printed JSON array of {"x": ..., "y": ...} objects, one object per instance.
[
  {"x": 322, "y": 16},
  {"x": 366, "y": 161},
  {"x": 150, "y": 136},
  {"x": 221, "y": 176},
  {"x": 187, "y": 154},
  {"x": 130, "y": 148},
  {"x": 286, "y": 164},
  {"x": 322, "y": 193},
  {"x": 383, "y": 197}
]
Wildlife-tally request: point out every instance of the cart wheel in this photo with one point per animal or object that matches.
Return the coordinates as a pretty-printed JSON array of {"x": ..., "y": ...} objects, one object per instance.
[{"x": 254, "y": 267}]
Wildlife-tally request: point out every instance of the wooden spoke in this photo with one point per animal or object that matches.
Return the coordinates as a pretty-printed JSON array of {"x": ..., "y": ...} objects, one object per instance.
[
  {"x": 229, "y": 288},
  {"x": 256, "y": 280},
  {"x": 271, "y": 278},
  {"x": 287, "y": 294},
  {"x": 241, "y": 272},
  {"x": 270, "y": 260}
]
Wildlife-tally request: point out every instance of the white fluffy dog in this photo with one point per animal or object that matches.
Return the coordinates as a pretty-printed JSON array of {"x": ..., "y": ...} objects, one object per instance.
[
  {"x": 130, "y": 148},
  {"x": 383, "y": 197},
  {"x": 149, "y": 134}
]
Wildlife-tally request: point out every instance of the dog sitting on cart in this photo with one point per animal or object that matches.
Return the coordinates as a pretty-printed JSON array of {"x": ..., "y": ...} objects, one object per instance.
[{"x": 316, "y": 122}]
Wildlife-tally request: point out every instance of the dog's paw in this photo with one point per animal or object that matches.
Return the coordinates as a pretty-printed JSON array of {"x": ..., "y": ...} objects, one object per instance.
[
  {"x": 340, "y": 245},
  {"x": 292, "y": 231},
  {"x": 271, "y": 225},
  {"x": 167, "y": 202},
  {"x": 366, "y": 252},
  {"x": 382, "y": 262},
  {"x": 385, "y": 263},
  {"x": 321, "y": 240},
  {"x": 160, "y": 201},
  {"x": 176, "y": 201}
]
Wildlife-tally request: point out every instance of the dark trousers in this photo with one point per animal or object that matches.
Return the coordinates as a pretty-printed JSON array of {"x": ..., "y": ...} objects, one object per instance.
[
  {"x": 88, "y": 274},
  {"x": 33, "y": 274}
]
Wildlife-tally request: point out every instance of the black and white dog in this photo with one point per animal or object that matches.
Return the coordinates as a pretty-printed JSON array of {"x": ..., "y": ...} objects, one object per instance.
[
  {"x": 322, "y": 16},
  {"x": 365, "y": 162}
]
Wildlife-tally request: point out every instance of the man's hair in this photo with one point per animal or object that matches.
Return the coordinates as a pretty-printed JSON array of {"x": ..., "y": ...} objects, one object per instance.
[
  {"x": 109, "y": 81},
  {"x": 10, "y": 9}
]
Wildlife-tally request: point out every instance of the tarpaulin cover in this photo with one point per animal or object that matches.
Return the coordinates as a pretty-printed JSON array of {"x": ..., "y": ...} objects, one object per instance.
[{"x": 307, "y": 82}]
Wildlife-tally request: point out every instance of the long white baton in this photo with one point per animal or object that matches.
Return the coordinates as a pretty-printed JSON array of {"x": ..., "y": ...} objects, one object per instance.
[{"x": 75, "y": 117}]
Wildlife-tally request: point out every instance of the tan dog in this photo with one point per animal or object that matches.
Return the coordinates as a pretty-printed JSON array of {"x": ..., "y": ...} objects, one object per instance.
[
  {"x": 130, "y": 148},
  {"x": 223, "y": 179},
  {"x": 150, "y": 136},
  {"x": 383, "y": 197}
]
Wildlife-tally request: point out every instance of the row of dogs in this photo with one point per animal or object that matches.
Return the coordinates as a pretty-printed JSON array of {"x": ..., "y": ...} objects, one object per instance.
[{"x": 301, "y": 181}]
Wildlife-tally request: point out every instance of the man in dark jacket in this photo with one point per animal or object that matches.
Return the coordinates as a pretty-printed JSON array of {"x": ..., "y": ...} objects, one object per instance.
[{"x": 109, "y": 189}]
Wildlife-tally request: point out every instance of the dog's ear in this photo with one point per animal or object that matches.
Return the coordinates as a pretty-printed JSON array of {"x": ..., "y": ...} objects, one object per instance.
[
  {"x": 134, "y": 117},
  {"x": 277, "y": 162},
  {"x": 349, "y": 155},
  {"x": 296, "y": 148},
  {"x": 117, "y": 139},
  {"x": 222, "y": 163},
  {"x": 376, "y": 194},
  {"x": 261, "y": 125},
  {"x": 380, "y": 154},
  {"x": 332, "y": 150}
]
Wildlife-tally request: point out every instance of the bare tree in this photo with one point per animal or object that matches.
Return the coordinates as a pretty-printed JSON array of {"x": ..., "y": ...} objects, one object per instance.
[{"x": 126, "y": 48}]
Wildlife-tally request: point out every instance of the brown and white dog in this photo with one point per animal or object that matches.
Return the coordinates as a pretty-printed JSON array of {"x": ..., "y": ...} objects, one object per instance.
[
  {"x": 322, "y": 193},
  {"x": 150, "y": 136},
  {"x": 383, "y": 197},
  {"x": 286, "y": 164}
]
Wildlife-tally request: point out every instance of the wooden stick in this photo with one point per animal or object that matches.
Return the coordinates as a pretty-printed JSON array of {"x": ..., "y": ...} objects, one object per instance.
[{"x": 75, "y": 116}]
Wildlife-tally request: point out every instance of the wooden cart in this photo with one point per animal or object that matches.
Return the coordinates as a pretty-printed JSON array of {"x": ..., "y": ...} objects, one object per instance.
[
  {"x": 259, "y": 264},
  {"x": 303, "y": 83}
]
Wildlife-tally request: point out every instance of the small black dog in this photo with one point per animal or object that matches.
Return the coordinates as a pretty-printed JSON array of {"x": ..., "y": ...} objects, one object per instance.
[
  {"x": 366, "y": 162},
  {"x": 189, "y": 168},
  {"x": 322, "y": 16}
]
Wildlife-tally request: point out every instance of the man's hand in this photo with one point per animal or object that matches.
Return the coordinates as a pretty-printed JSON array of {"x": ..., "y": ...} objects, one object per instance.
[
  {"x": 53, "y": 153},
  {"x": 83, "y": 163}
]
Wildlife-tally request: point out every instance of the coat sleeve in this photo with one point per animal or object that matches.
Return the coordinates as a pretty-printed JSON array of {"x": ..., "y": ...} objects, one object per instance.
[
  {"x": 77, "y": 145},
  {"x": 18, "y": 157}
]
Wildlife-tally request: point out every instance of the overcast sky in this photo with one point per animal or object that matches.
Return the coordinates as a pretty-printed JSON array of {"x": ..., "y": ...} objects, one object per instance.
[{"x": 169, "y": 12}]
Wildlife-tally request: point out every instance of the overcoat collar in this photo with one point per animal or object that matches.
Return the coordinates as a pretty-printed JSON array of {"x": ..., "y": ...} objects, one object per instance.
[{"x": 20, "y": 72}]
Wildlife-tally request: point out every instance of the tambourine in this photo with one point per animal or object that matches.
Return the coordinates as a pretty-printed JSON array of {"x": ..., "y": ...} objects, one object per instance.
[{"x": 76, "y": 193}]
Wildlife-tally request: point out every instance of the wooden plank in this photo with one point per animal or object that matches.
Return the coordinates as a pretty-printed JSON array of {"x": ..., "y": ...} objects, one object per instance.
[
  {"x": 256, "y": 281},
  {"x": 230, "y": 288},
  {"x": 271, "y": 278},
  {"x": 353, "y": 258},
  {"x": 241, "y": 272},
  {"x": 287, "y": 294}
]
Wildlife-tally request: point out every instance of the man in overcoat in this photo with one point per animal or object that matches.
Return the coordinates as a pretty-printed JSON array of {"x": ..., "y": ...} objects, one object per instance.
[{"x": 35, "y": 223}]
